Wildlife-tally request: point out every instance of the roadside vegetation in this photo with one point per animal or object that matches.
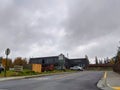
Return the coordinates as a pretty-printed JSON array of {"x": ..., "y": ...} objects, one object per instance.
[
  {"x": 11, "y": 73},
  {"x": 100, "y": 69},
  {"x": 25, "y": 72},
  {"x": 105, "y": 64},
  {"x": 116, "y": 67}
]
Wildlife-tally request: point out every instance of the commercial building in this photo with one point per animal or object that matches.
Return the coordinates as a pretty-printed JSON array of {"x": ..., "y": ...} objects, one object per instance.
[{"x": 57, "y": 62}]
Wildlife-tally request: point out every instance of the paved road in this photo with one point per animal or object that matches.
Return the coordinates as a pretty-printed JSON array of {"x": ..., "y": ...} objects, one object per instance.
[{"x": 85, "y": 80}]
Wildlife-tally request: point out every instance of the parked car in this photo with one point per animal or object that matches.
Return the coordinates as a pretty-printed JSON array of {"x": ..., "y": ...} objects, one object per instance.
[
  {"x": 78, "y": 68},
  {"x": 1, "y": 69}
]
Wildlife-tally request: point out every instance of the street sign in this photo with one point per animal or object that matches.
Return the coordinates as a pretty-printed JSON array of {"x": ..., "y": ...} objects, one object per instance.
[
  {"x": 7, "y": 52},
  {"x": 18, "y": 68}
]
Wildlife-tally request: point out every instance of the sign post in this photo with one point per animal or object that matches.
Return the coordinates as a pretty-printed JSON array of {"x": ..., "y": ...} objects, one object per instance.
[{"x": 7, "y": 52}]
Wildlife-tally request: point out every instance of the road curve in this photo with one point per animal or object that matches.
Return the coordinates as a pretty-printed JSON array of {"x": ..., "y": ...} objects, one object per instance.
[{"x": 85, "y": 80}]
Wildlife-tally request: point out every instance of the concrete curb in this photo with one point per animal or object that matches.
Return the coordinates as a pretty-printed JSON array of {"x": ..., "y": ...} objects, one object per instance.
[
  {"x": 102, "y": 84},
  {"x": 32, "y": 76}
]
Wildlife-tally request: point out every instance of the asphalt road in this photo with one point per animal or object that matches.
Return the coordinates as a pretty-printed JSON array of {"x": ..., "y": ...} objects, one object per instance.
[{"x": 85, "y": 80}]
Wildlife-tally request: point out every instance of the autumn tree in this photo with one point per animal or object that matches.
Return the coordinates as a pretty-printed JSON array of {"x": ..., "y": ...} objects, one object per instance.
[
  {"x": 20, "y": 61},
  {"x": 112, "y": 61},
  {"x": 8, "y": 63}
]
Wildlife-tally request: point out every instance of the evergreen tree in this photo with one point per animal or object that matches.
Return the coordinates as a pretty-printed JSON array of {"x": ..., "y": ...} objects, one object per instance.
[
  {"x": 118, "y": 56},
  {"x": 116, "y": 66},
  {"x": 96, "y": 60}
]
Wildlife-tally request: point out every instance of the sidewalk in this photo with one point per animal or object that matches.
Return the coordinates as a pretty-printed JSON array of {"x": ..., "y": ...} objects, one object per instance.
[
  {"x": 110, "y": 81},
  {"x": 113, "y": 80}
]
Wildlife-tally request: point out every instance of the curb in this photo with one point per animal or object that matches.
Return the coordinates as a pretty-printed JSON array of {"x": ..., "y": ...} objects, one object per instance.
[
  {"x": 116, "y": 88},
  {"x": 32, "y": 76},
  {"x": 102, "y": 84}
]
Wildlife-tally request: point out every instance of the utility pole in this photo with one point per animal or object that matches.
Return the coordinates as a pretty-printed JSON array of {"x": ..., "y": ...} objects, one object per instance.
[{"x": 67, "y": 55}]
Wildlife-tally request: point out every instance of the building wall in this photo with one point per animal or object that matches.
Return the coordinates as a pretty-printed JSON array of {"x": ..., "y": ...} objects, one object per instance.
[
  {"x": 79, "y": 62},
  {"x": 56, "y": 62},
  {"x": 37, "y": 68}
]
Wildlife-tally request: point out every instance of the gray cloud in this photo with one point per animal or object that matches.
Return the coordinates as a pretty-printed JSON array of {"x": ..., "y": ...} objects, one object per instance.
[
  {"x": 92, "y": 21},
  {"x": 24, "y": 25},
  {"x": 49, "y": 27}
]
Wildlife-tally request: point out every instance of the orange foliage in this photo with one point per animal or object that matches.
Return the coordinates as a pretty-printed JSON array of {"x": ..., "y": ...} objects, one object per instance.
[
  {"x": 20, "y": 61},
  {"x": 8, "y": 63}
]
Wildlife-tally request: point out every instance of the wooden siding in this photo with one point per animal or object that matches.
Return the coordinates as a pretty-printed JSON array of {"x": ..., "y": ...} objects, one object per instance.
[{"x": 37, "y": 68}]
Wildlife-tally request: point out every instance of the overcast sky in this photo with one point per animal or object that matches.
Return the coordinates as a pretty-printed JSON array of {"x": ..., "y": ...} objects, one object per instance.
[{"x": 35, "y": 28}]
